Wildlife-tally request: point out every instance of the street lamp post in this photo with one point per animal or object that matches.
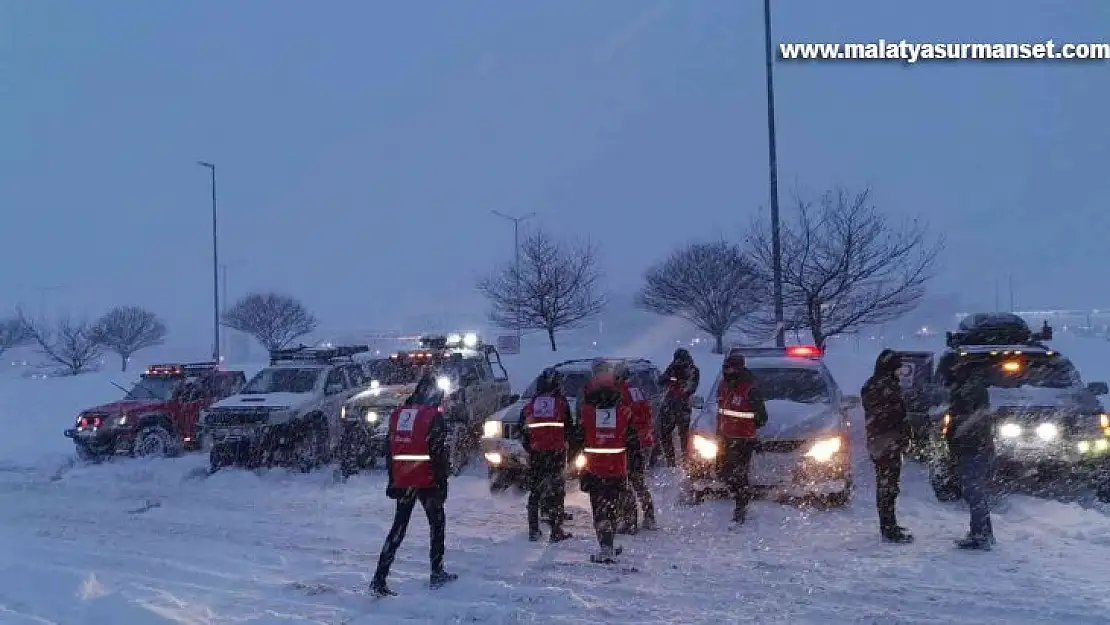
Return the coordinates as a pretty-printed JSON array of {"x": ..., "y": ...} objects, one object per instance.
[
  {"x": 516, "y": 245},
  {"x": 215, "y": 270},
  {"x": 773, "y": 166}
]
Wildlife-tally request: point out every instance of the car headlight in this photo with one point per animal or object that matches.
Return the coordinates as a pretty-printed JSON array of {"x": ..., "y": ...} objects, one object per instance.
[
  {"x": 443, "y": 383},
  {"x": 343, "y": 412},
  {"x": 704, "y": 447},
  {"x": 493, "y": 458},
  {"x": 1010, "y": 430},
  {"x": 120, "y": 420},
  {"x": 371, "y": 416},
  {"x": 823, "y": 450},
  {"x": 492, "y": 429},
  {"x": 580, "y": 462},
  {"x": 1047, "y": 431}
]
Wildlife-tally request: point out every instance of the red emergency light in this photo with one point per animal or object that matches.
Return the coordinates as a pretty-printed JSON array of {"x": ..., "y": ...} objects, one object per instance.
[{"x": 803, "y": 351}]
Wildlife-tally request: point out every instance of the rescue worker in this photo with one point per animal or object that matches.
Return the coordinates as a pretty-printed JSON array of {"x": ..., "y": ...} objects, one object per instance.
[
  {"x": 681, "y": 379},
  {"x": 888, "y": 437},
  {"x": 546, "y": 425},
  {"x": 637, "y": 458},
  {"x": 418, "y": 464},
  {"x": 740, "y": 413},
  {"x": 971, "y": 442},
  {"x": 605, "y": 419}
]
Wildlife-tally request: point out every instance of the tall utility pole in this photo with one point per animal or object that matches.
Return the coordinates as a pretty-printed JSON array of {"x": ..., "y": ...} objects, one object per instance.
[
  {"x": 773, "y": 165},
  {"x": 516, "y": 246},
  {"x": 215, "y": 270}
]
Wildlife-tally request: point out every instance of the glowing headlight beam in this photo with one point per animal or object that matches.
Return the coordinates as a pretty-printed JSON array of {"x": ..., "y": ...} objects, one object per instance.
[
  {"x": 704, "y": 447},
  {"x": 470, "y": 339},
  {"x": 491, "y": 429},
  {"x": 580, "y": 462},
  {"x": 1010, "y": 430},
  {"x": 443, "y": 383},
  {"x": 824, "y": 450},
  {"x": 1047, "y": 431}
]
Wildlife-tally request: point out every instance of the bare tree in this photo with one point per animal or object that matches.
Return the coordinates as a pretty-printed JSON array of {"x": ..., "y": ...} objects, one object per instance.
[
  {"x": 844, "y": 266},
  {"x": 13, "y": 333},
  {"x": 128, "y": 329},
  {"x": 556, "y": 287},
  {"x": 274, "y": 319},
  {"x": 711, "y": 285},
  {"x": 73, "y": 345}
]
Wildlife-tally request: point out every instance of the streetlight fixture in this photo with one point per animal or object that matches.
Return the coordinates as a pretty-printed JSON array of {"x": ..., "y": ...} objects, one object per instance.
[
  {"x": 773, "y": 166},
  {"x": 215, "y": 270},
  {"x": 516, "y": 244}
]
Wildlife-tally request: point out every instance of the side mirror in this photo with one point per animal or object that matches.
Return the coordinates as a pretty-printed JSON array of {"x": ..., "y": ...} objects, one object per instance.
[
  {"x": 850, "y": 402},
  {"x": 334, "y": 388},
  {"x": 698, "y": 402},
  {"x": 1098, "y": 388}
]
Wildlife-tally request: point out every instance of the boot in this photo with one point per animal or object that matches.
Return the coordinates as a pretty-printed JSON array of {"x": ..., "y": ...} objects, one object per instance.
[
  {"x": 739, "y": 515},
  {"x": 897, "y": 535},
  {"x": 981, "y": 543},
  {"x": 534, "y": 534},
  {"x": 606, "y": 555},
  {"x": 381, "y": 589},
  {"x": 649, "y": 521},
  {"x": 558, "y": 535},
  {"x": 441, "y": 577}
]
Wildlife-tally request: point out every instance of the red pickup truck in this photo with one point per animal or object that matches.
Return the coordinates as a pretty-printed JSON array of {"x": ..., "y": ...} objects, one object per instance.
[{"x": 158, "y": 416}]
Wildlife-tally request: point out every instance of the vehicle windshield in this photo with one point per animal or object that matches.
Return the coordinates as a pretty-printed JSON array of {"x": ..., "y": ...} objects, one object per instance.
[
  {"x": 804, "y": 386},
  {"x": 392, "y": 371},
  {"x": 1056, "y": 373},
  {"x": 572, "y": 385},
  {"x": 153, "y": 388},
  {"x": 282, "y": 380}
]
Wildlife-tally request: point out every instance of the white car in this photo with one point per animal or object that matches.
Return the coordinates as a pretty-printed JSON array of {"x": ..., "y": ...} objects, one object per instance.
[
  {"x": 501, "y": 435},
  {"x": 803, "y": 451},
  {"x": 288, "y": 414}
]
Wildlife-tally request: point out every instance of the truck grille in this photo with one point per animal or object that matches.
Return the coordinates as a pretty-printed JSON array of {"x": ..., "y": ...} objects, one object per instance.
[
  {"x": 248, "y": 416},
  {"x": 510, "y": 430}
]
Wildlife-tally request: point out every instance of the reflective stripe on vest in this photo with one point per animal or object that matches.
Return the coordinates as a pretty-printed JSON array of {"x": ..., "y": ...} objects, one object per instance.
[
  {"x": 736, "y": 413},
  {"x": 413, "y": 458},
  {"x": 604, "y": 450},
  {"x": 546, "y": 424}
]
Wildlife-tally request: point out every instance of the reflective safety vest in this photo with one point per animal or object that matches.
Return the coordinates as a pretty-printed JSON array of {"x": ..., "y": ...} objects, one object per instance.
[
  {"x": 410, "y": 455},
  {"x": 606, "y": 429},
  {"x": 642, "y": 419},
  {"x": 544, "y": 418},
  {"x": 735, "y": 414}
]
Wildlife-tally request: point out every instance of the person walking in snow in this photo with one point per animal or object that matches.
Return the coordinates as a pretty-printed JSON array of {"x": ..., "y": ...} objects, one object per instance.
[
  {"x": 418, "y": 464},
  {"x": 740, "y": 413},
  {"x": 547, "y": 424},
  {"x": 681, "y": 379},
  {"x": 637, "y": 458},
  {"x": 884, "y": 411},
  {"x": 971, "y": 442},
  {"x": 605, "y": 418}
]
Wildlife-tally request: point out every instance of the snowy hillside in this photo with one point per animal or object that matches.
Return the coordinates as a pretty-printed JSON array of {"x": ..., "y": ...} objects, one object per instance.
[{"x": 141, "y": 542}]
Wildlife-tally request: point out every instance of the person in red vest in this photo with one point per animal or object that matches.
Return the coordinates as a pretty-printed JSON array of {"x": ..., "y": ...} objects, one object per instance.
[
  {"x": 638, "y": 459},
  {"x": 605, "y": 418},
  {"x": 418, "y": 465},
  {"x": 546, "y": 427},
  {"x": 740, "y": 412}
]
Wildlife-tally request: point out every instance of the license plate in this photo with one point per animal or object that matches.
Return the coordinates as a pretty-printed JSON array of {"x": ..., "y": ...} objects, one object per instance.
[
  {"x": 86, "y": 433},
  {"x": 773, "y": 468}
]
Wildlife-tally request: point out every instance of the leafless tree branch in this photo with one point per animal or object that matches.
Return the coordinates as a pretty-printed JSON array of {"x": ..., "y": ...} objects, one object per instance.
[
  {"x": 128, "y": 329},
  {"x": 556, "y": 287},
  {"x": 845, "y": 266},
  {"x": 13, "y": 334},
  {"x": 274, "y": 319},
  {"x": 712, "y": 285},
  {"x": 73, "y": 345}
]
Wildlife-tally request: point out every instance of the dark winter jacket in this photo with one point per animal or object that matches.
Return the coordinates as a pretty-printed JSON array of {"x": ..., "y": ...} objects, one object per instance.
[
  {"x": 568, "y": 425},
  {"x": 601, "y": 397},
  {"x": 437, "y": 443},
  {"x": 884, "y": 409},
  {"x": 686, "y": 373},
  {"x": 971, "y": 430},
  {"x": 755, "y": 397}
]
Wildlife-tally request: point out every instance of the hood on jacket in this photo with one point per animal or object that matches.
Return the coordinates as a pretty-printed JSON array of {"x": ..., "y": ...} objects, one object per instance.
[{"x": 888, "y": 363}]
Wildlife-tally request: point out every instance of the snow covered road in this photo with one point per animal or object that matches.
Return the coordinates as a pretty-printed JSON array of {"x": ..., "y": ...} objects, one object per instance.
[{"x": 137, "y": 542}]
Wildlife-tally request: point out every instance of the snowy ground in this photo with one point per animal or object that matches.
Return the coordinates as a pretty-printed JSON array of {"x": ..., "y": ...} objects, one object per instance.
[{"x": 137, "y": 542}]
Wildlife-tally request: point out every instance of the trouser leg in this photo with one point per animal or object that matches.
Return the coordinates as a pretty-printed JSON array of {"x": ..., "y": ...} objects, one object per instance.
[
  {"x": 637, "y": 479},
  {"x": 437, "y": 521},
  {"x": 888, "y": 476},
  {"x": 535, "y": 497},
  {"x": 738, "y": 460},
  {"x": 683, "y": 426},
  {"x": 396, "y": 534},
  {"x": 975, "y": 476},
  {"x": 556, "y": 498},
  {"x": 604, "y": 506},
  {"x": 666, "y": 439}
]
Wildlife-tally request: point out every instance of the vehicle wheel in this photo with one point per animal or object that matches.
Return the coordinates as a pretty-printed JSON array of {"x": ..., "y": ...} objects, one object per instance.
[
  {"x": 310, "y": 445},
  {"x": 841, "y": 499},
  {"x": 156, "y": 441}
]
